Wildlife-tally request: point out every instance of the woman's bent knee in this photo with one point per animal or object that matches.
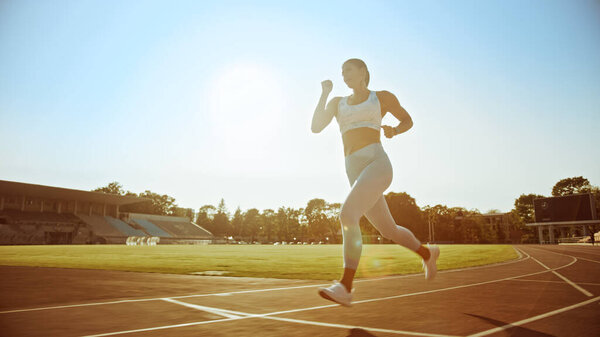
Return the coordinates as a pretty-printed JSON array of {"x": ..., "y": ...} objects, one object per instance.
[{"x": 348, "y": 218}]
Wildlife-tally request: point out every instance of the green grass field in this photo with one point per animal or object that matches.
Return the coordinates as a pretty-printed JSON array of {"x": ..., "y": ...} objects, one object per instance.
[{"x": 322, "y": 262}]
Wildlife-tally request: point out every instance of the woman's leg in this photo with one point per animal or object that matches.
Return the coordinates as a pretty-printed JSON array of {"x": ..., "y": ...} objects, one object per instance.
[
  {"x": 369, "y": 186},
  {"x": 381, "y": 218}
]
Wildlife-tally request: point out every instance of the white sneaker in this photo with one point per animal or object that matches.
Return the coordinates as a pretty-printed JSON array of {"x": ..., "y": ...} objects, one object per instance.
[
  {"x": 337, "y": 293},
  {"x": 430, "y": 266}
]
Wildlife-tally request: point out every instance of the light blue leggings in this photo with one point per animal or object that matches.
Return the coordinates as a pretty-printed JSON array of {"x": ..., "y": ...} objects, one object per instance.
[{"x": 370, "y": 173}]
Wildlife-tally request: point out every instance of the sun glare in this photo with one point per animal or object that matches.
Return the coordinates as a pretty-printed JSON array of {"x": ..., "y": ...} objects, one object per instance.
[{"x": 246, "y": 109}]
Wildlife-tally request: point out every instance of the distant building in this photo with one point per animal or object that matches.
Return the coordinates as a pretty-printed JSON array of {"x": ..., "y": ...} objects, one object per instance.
[
  {"x": 501, "y": 224},
  {"x": 38, "y": 214}
]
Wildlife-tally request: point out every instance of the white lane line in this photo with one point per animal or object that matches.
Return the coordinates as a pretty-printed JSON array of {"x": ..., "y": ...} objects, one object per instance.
[
  {"x": 313, "y": 308},
  {"x": 78, "y": 305},
  {"x": 520, "y": 259},
  {"x": 560, "y": 282},
  {"x": 456, "y": 287},
  {"x": 538, "y": 261},
  {"x": 569, "y": 282},
  {"x": 579, "y": 257},
  {"x": 162, "y": 327},
  {"x": 215, "y": 311},
  {"x": 552, "y": 251},
  {"x": 534, "y": 318},
  {"x": 582, "y": 258},
  {"x": 159, "y": 298},
  {"x": 518, "y": 252},
  {"x": 357, "y": 302},
  {"x": 572, "y": 284},
  {"x": 330, "y": 325},
  {"x": 344, "y": 326},
  {"x": 583, "y": 250}
]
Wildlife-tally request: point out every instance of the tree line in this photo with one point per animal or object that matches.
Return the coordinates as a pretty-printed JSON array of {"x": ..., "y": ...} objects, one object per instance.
[{"x": 318, "y": 220}]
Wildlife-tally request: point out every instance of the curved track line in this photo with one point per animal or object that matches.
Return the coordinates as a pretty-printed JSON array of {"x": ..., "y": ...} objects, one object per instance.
[
  {"x": 519, "y": 259},
  {"x": 266, "y": 315},
  {"x": 534, "y": 318},
  {"x": 569, "y": 282},
  {"x": 548, "y": 314},
  {"x": 552, "y": 251}
]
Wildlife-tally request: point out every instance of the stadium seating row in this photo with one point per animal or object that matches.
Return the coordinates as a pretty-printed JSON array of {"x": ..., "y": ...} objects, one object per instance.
[{"x": 27, "y": 227}]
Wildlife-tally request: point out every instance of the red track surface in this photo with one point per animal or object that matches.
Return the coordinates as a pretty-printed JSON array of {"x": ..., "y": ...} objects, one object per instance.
[{"x": 550, "y": 291}]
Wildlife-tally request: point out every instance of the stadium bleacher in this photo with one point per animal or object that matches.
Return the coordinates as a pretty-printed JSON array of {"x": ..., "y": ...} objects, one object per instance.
[
  {"x": 124, "y": 227},
  {"x": 39, "y": 214},
  {"x": 30, "y": 227},
  {"x": 100, "y": 226},
  {"x": 29, "y": 217},
  {"x": 151, "y": 228},
  {"x": 182, "y": 229}
]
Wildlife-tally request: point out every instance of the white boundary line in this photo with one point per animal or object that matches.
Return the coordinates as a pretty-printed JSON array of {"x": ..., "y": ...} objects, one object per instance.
[
  {"x": 571, "y": 283},
  {"x": 574, "y": 285},
  {"x": 560, "y": 282},
  {"x": 585, "y": 292},
  {"x": 266, "y": 315},
  {"x": 232, "y": 315},
  {"x": 583, "y": 249},
  {"x": 237, "y": 315},
  {"x": 79, "y": 305},
  {"x": 343, "y": 326},
  {"x": 520, "y": 259},
  {"x": 212, "y": 310},
  {"x": 538, "y": 317},
  {"x": 581, "y": 258},
  {"x": 534, "y": 318},
  {"x": 164, "y": 327}
]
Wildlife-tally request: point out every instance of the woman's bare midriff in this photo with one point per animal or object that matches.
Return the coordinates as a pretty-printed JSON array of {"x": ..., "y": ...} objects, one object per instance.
[{"x": 356, "y": 139}]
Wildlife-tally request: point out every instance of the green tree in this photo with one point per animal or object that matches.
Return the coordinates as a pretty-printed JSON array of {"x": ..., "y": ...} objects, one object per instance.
[
  {"x": 443, "y": 222},
  {"x": 570, "y": 186},
  {"x": 457, "y": 229},
  {"x": 406, "y": 213},
  {"x": 183, "y": 212},
  {"x": 251, "y": 226},
  {"x": 112, "y": 188},
  {"x": 316, "y": 217},
  {"x": 523, "y": 213},
  {"x": 205, "y": 217},
  {"x": 159, "y": 204},
  {"x": 267, "y": 223},
  {"x": 332, "y": 213},
  {"x": 237, "y": 223},
  {"x": 221, "y": 224},
  {"x": 294, "y": 225},
  {"x": 302, "y": 232},
  {"x": 524, "y": 207},
  {"x": 281, "y": 221},
  {"x": 576, "y": 185}
]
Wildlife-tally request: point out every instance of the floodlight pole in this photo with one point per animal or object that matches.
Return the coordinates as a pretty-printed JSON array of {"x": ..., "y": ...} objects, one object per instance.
[
  {"x": 431, "y": 228},
  {"x": 429, "y": 225}
]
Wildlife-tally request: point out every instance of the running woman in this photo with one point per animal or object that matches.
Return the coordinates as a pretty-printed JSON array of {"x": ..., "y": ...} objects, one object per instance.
[{"x": 368, "y": 169}]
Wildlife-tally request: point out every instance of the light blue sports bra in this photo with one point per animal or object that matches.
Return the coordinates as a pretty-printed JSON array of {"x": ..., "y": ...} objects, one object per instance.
[{"x": 366, "y": 114}]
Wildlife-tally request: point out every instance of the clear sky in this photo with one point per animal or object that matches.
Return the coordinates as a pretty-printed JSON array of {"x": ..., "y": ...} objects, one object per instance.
[{"x": 208, "y": 100}]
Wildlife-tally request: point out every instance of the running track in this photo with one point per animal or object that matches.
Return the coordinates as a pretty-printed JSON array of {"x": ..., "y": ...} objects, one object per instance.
[{"x": 549, "y": 291}]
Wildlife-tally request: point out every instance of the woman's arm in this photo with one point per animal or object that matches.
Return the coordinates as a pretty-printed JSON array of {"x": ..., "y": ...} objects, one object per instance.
[
  {"x": 393, "y": 106},
  {"x": 323, "y": 115}
]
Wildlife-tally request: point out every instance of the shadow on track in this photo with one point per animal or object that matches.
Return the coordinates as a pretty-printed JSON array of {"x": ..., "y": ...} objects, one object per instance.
[
  {"x": 513, "y": 331},
  {"x": 360, "y": 333}
]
